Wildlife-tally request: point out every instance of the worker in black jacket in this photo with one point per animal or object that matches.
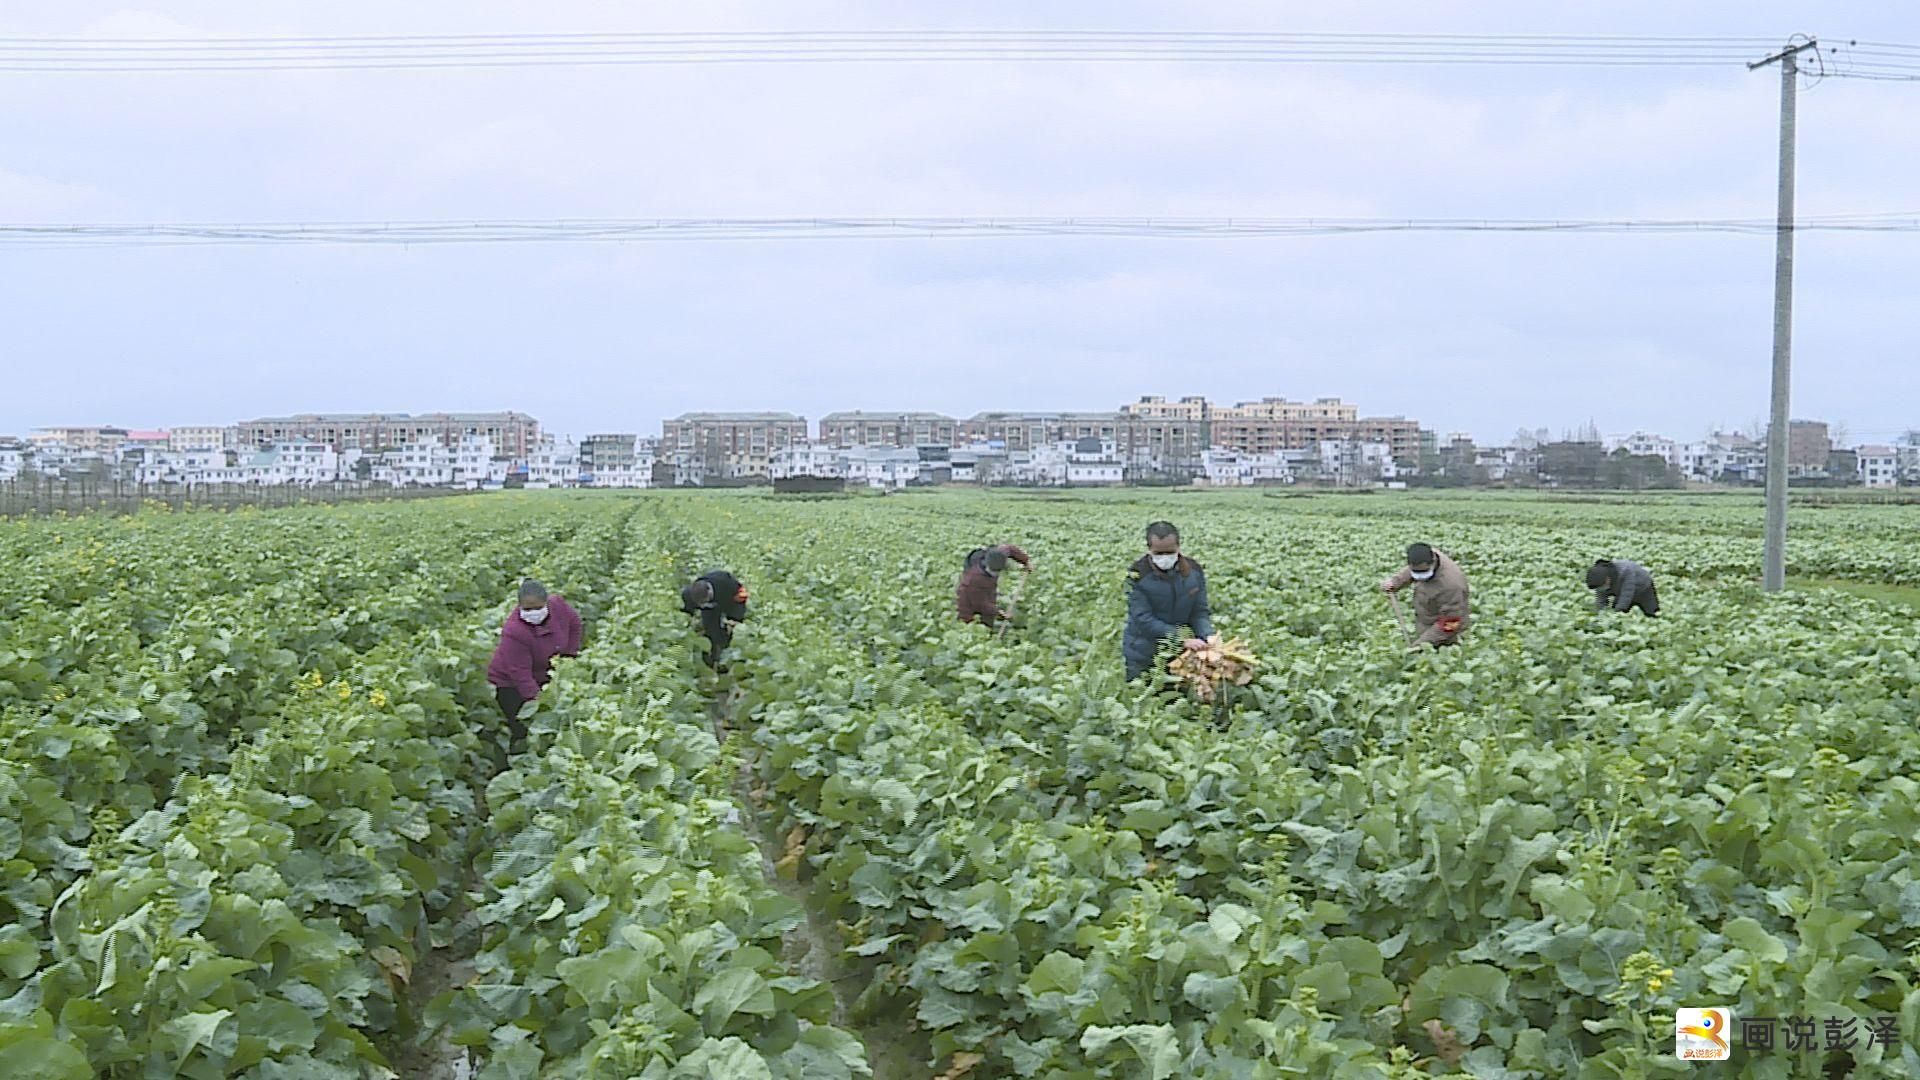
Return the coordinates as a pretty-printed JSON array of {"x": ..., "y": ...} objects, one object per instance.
[{"x": 719, "y": 601}]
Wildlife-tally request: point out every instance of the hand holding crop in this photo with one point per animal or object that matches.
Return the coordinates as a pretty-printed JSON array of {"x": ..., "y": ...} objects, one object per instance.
[
  {"x": 1196, "y": 644},
  {"x": 1388, "y": 585}
]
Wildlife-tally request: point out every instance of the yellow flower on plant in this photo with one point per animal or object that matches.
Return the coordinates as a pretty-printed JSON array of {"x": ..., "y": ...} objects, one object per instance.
[
  {"x": 378, "y": 699},
  {"x": 345, "y": 692}
]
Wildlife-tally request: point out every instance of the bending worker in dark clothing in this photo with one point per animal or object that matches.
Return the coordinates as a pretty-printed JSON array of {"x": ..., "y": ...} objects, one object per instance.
[
  {"x": 1622, "y": 585},
  {"x": 1168, "y": 593},
  {"x": 978, "y": 599},
  {"x": 719, "y": 601}
]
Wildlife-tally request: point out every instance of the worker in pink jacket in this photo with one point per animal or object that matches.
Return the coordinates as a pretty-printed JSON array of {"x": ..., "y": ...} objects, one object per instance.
[{"x": 538, "y": 629}]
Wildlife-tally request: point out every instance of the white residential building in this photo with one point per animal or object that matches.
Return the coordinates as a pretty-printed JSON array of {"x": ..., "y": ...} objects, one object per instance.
[
  {"x": 807, "y": 459},
  {"x": 1094, "y": 462},
  {"x": 422, "y": 463},
  {"x": 1494, "y": 462},
  {"x": 1221, "y": 467},
  {"x": 1351, "y": 463},
  {"x": 1041, "y": 466},
  {"x": 1879, "y": 466},
  {"x": 13, "y": 460},
  {"x": 1702, "y": 462},
  {"x": 639, "y": 474},
  {"x": 189, "y": 467},
  {"x": 476, "y": 464},
  {"x": 884, "y": 468},
  {"x": 292, "y": 463},
  {"x": 553, "y": 463},
  {"x": 977, "y": 464},
  {"x": 1642, "y": 444},
  {"x": 1226, "y": 468}
]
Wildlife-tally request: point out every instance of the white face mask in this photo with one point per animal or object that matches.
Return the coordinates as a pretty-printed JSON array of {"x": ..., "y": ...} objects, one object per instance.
[
  {"x": 1421, "y": 575},
  {"x": 1165, "y": 562},
  {"x": 533, "y": 616}
]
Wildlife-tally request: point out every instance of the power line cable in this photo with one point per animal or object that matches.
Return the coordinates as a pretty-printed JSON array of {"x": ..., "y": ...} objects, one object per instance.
[
  {"x": 654, "y": 230},
  {"x": 47, "y": 54}
]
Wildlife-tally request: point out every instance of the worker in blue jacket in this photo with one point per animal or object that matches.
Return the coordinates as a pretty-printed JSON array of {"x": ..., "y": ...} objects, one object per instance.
[{"x": 1167, "y": 599}]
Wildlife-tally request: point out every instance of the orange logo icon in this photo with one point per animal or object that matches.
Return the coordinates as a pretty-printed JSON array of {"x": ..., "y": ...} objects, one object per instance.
[{"x": 1701, "y": 1034}]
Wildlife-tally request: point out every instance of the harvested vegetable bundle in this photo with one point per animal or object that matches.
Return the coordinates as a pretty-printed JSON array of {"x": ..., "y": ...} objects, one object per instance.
[{"x": 1206, "y": 671}]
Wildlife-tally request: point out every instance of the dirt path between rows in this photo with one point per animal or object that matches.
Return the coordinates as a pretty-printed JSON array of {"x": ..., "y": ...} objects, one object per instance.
[{"x": 815, "y": 948}]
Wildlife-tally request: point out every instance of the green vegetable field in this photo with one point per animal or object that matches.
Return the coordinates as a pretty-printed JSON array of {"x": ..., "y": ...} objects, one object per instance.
[{"x": 257, "y": 818}]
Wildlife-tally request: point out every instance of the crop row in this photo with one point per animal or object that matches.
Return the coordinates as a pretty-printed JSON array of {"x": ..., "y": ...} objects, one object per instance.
[{"x": 1514, "y": 841}]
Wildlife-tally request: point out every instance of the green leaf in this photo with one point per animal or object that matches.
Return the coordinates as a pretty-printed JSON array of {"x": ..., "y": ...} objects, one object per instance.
[
  {"x": 1229, "y": 921},
  {"x": 1056, "y": 972},
  {"x": 873, "y": 885},
  {"x": 609, "y": 975},
  {"x": 736, "y": 990},
  {"x": 282, "y": 1025},
  {"x": 19, "y": 953},
  {"x": 1153, "y": 1044},
  {"x": 514, "y": 1061},
  {"x": 42, "y": 1057},
  {"x": 824, "y": 1053},
  {"x": 1213, "y": 993},
  {"x": 722, "y": 1059},
  {"x": 184, "y": 1034},
  {"x": 207, "y": 974},
  {"x": 1746, "y": 933}
]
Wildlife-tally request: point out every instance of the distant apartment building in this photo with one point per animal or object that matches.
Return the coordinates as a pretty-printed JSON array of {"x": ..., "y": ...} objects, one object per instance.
[
  {"x": 201, "y": 437},
  {"x": 1274, "y": 424},
  {"x": 814, "y": 460},
  {"x": 1352, "y": 463},
  {"x": 616, "y": 461},
  {"x": 1808, "y": 447},
  {"x": 902, "y": 429},
  {"x": 607, "y": 453},
  {"x": 513, "y": 434},
  {"x": 144, "y": 441},
  {"x": 425, "y": 462},
  {"x": 92, "y": 440},
  {"x": 1161, "y": 439},
  {"x": 553, "y": 463},
  {"x": 730, "y": 445},
  {"x": 1026, "y": 430}
]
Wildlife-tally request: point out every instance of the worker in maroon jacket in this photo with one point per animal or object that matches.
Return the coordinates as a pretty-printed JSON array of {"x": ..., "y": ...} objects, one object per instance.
[
  {"x": 978, "y": 598},
  {"x": 538, "y": 629}
]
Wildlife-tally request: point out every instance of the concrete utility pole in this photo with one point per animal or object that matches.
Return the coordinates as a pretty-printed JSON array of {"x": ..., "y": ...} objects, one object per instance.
[{"x": 1773, "y": 576}]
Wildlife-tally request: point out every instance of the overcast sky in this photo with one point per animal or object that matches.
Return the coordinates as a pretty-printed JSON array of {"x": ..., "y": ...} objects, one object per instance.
[{"x": 1477, "y": 333}]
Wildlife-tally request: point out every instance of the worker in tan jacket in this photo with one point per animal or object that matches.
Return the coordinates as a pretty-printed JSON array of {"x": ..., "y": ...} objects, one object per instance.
[{"x": 1439, "y": 595}]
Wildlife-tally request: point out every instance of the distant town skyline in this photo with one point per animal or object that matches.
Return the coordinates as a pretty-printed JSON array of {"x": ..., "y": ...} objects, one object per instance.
[{"x": 651, "y": 426}]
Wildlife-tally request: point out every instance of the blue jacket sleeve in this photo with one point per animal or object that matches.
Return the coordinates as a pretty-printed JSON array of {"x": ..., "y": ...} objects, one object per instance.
[
  {"x": 1202, "y": 614},
  {"x": 1140, "y": 614}
]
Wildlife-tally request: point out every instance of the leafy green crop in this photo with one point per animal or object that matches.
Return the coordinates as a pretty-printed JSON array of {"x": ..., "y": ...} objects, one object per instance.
[{"x": 254, "y": 819}]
